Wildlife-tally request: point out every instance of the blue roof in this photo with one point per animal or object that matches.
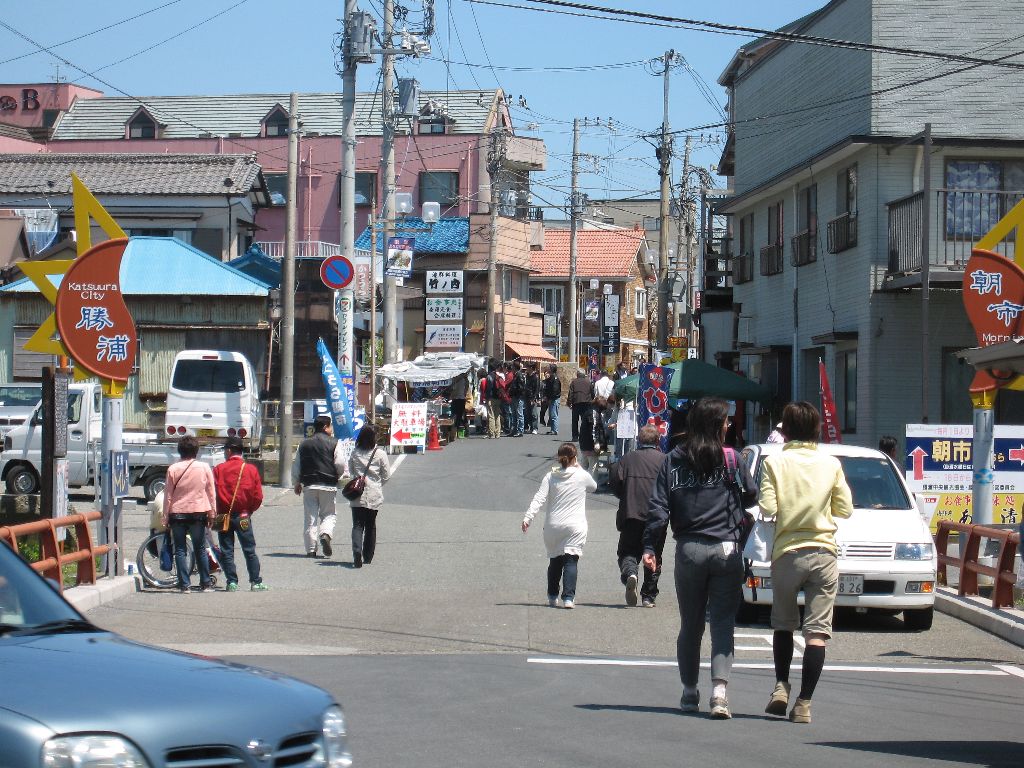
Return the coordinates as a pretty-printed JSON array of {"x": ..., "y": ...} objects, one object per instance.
[
  {"x": 162, "y": 266},
  {"x": 255, "y": 263},
  {"x": 446, "y": 236}
]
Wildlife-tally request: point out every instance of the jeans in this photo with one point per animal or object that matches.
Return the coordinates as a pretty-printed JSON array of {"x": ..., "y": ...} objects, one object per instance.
[
  {"x": 553, "y": 416},
  {"x": 364, "y": 532},
  {"x": 195, "y": 529},
  {"x": 247, "y": 541},
  {"x": 706, "y": 575},
  {"x": 564, "y": 568},
  {"x": 630, "y": 553},
  {"x": 507, "y": 418},
  {"x": 623, "y": 445},
  {"x": 520, "y": 423},
  {"x": 319, "y": 509},
  {"x": 494, "y": 418}
]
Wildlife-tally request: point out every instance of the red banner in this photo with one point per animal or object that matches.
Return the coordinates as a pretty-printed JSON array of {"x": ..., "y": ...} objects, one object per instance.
[{"x": 829, "y": 423}]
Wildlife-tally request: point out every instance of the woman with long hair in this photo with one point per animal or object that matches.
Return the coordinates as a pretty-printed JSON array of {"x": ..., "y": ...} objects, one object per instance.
[
  {"x": 562, "y": 495},
  {"x": 702, "y": 490},
  {"x": 369, "y": 461}
]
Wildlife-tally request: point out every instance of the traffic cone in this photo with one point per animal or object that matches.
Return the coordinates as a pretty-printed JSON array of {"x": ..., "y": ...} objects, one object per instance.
[{"x": 433, "y": 436}]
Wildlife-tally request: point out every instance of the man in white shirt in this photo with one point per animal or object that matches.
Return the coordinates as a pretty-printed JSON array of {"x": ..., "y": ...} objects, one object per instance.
[{"x": 604, "y": 386}]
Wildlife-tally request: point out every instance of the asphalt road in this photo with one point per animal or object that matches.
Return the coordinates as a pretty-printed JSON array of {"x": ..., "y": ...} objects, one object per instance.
[{"x": 444, "y": 653}]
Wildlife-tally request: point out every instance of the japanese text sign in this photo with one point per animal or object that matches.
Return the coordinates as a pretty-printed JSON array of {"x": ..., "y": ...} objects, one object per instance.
[
  {"x": 338, "y": 403},
  {"x": 443, "y": 336},
  {"x": 409, "y": 424},
  {"x": 443, "y": 309},
  {"x": 444, "y": 281},
  {"x": 399, "y": 257},
  {"x": 652, "y": 399},
  {"x": 993, "y": 291}
]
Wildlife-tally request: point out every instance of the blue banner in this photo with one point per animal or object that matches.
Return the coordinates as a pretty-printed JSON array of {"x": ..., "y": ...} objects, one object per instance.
[
  {"x": 652, "y": 399},
  {"x": 337, "y": 396}
]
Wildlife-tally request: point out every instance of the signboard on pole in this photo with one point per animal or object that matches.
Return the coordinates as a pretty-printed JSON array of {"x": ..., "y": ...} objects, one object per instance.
[
  {"x": 446, "y": 309},
  {"x": 938, "y": 464},
  {"x": 398, "y": 262},
  {"x": 344, "y": 306},
  {"x": 610, "y": 326},
  {"x": 443, "y": 337},
  {"x": 409, "y": 424},
  {"x": 993, "y": 296},
  {"x": 593, "y": 362},
  {"x": 652, "y": 399},
  {"x": 444, "y": 281},
  {"x": 336, "y": 272},
  {"x": 592, "y": 310},
  {"x": 119, "y": 483},
  {"x": 677, "y": 342}
]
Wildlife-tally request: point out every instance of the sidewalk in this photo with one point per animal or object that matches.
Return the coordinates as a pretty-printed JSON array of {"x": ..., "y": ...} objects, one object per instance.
[{"x": 1007, "y": 623}]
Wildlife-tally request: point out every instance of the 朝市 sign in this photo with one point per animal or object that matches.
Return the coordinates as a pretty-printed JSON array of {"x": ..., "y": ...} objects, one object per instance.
[
  {"x": 993, "y": 294},
  {"x": 408, "y": 424}
]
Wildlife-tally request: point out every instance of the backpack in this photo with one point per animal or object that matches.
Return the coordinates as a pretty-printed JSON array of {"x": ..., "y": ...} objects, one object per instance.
[{"x": 518, "y": 386}]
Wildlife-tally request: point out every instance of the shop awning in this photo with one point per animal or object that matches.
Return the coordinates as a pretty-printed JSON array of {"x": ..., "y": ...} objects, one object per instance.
[
  {"x": 528, "y": 352},
  {"x": 432, "y": 369}
]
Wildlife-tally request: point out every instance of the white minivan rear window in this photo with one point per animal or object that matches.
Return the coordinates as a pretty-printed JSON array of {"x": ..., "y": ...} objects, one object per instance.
[{"x": 209, "y": 376}]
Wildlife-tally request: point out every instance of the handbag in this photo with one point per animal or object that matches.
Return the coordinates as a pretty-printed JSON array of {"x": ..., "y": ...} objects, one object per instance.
[
  {"x": 222, "y": 521},
  {"x": 758, "y": 547},
  {"x": 166, "y": 553},
  {"x": 354, "y": 488},
  {"x": 746, "y": 522}
]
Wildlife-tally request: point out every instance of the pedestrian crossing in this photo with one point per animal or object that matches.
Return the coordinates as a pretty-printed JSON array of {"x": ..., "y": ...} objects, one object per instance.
[{"x": 759, "y": 643}]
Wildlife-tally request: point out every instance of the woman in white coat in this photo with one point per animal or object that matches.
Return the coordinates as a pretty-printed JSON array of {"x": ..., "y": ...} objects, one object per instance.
[{"x": 562, "y": 495}]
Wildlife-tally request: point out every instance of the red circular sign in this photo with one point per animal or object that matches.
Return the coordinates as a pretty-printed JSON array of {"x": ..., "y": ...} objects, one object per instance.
[{"x": 336, "y": 272}]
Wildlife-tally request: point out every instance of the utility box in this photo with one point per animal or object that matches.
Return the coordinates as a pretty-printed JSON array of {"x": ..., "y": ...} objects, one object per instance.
[{"x": 408, "y": 98}]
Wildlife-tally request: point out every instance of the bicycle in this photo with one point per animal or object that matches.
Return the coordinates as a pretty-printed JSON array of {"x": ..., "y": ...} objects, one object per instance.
[{"x": 148, "y": 561}]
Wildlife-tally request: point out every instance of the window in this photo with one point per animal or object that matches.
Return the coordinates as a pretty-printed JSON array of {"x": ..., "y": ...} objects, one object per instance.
[
  {"x": 771, "y": 254},
  {"x": 439, "y": 187},
  {"x": 846, "y": 191},
  {"x": 640, "y": 303},
  {"x": 276, "y": 124},
  {"x": 805, "y": 241},
  {"x": 976, "y": 196},
  {"x": 842, "y": 230},
  {"x": 515, "y": 285},
  {"x": 141, "y": 127},
  {"x": 277, "y": 185},
  {"x": 366, "y": 188},
  {"x": 775, "y": 224},
  {"x": 652, "y": 223},
  {"x": 433, "y": 125},
  {"x": 549, "y": 297},
  {"x": 208, "y": 376},
  {"x": 743, "y": 267},
  {"x": 846, "y": 389}
]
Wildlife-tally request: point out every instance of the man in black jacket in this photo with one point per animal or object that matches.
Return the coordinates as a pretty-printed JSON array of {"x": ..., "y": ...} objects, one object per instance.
[
  {"x": 552, "y": 396},
  {"x": 532, "y": 397},
  {"x": 581, "y": 395},
  {"x": 631, "y": 480},
  {"x": 318, "y": 465}
]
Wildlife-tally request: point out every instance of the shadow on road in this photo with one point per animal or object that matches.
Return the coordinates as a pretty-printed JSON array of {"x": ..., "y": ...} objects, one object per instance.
[
  {"x": 993, "y": 754},
  {"x": 644, "y": 710}
]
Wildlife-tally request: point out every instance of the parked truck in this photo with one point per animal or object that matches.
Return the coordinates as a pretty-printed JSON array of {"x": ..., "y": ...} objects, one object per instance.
[{"x": 148, "y": 458}]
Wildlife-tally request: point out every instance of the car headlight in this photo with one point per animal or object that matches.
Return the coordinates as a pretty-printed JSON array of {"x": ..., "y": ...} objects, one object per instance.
[
  {"x": 914, "y": 551},
  {"x": 336, "y": 749},
  {"x": 92, "y": 751}
]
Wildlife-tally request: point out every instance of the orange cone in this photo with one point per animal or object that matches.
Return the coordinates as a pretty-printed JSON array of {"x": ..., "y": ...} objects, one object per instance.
[{"x": 433, "y": 436}]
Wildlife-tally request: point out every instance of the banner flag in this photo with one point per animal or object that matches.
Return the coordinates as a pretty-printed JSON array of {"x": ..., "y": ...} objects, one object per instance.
[
  {"x": 652, "y": 399},
  {"x": 829, "y": 423},
  {"x": 337, "y": 396}
]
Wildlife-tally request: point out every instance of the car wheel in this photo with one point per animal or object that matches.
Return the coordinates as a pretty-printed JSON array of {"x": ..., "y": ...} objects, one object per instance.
[
  {"x": 22, "y": 481},
  {"x": 746, "y": 613},
  {"x": 153, "y": 484},
  {"x": 918, "y": 620}
]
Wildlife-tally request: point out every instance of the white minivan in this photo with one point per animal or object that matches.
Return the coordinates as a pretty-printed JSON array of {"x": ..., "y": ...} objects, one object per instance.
[
  {"x": 886, "y": 553},
  {"x": 213, "y": 394}
]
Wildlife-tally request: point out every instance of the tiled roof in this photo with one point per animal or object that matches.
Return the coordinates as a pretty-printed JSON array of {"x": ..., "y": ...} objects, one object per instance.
[
  {"x": 115, "y": 174},
  {"x": 599, "y": 253},
  {"x": 449, "y": 235},
  {"x": 165, "y": 266},
  {"x": 16, "y": 132},
  {"x": 240, "y": 114},
  {"x": 255, "y": 263}
]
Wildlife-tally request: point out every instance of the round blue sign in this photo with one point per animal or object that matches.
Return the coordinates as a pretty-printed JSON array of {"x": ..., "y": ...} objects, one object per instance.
[{"x": 336, "y": 272}]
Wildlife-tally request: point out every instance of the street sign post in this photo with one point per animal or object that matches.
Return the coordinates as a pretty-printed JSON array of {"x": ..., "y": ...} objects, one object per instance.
[{"x": 337, "y": 272}]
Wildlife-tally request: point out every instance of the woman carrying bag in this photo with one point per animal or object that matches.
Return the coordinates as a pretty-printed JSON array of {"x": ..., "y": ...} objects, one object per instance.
[
  {"x": 370, "y": 465},
  {"x": 189, "y": 503}
]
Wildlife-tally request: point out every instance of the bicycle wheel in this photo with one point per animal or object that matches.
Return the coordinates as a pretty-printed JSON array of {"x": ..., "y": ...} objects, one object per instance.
[{"x": 148, "y": 563}]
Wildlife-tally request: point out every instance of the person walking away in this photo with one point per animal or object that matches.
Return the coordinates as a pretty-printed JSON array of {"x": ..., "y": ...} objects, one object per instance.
[
  {"x": 491, "y": 391},
  {"x": 579, "y": 399},
  {"x": 703, "y": 490},
  {"x": 189, "y": 501},
  {"x": 317, "y": 467},
  {"x": 533, "y": 398},
  {"x": 631, "y": 480},
  {"x": 888, "y": 445},
  {"x": 604, "y": 386},
  {"x": 592, "y": 433},
  {"x": 562, "y": 496},
  {"x": 459, "y": 390},
  {"x": 803, "y": 490},
  {"x": 553, "y": 394},
  {"x": 517, "y": 389},
  {"x": 508, "y": 416},
  {"x": 239, "y": 495},
  {"x": 367, "y": 461}
]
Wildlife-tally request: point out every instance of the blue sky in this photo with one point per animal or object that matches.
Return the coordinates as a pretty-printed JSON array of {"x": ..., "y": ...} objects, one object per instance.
[{"x": 269, "y": 46}]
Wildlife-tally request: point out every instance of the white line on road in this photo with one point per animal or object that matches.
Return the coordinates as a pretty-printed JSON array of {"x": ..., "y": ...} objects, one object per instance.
[
  {"x": 998, "y": 672},
  {"x": 1017, "y": 671}
]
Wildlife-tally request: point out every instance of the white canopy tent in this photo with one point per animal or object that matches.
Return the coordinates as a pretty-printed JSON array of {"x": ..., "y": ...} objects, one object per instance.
[{"x": 433, "y": 369}]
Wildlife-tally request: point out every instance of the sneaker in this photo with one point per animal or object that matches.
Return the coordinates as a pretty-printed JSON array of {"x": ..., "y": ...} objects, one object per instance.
[
  {"x": 259, "y": 587},
  {"x": 568, "y": 603},
  {"x": 533, "y": 432},
  {"x": 553, "y": 602},
  {"x": 325, "y": 544},
  {"x": 208, "y": 588},
  {"x": 720, "y": 708},
  {"x": 631, "y": 594},
  {"x": 184, "y": 590},
  {"x": 232, "y": 586},
  {"x": 779, "y": 701},
  {"x": 311, "y": 553},
  {"x": 549, "y": 432},
  {"x": 801, "y": 712},
  {"x": 357, "y": 561},
  {"x": 647, "y": 602},
  {"x": 690, "y": 702}
]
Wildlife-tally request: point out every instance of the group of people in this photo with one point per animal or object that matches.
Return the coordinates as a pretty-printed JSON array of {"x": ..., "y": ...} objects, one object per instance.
[
  {"x": 701, "y": 490},
  {"x": 517, "y": 400}
]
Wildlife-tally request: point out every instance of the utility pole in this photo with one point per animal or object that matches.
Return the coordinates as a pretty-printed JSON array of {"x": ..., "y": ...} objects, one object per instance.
[
  {"x": 684, "y": 231},
  {"x": 387, "y": 160},
  {"x": 495, "y": 160},
  {"x": 665, "y": 168},
  {"x": 574, "y": 354},
  {"x": 288, "y": 298}
]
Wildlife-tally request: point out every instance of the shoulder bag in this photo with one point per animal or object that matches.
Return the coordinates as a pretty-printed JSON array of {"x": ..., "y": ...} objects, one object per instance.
[
  {"x": 746, "y": 521},
  {"x": 223, "y": 521},
  {"x": 354, "y": 488}
]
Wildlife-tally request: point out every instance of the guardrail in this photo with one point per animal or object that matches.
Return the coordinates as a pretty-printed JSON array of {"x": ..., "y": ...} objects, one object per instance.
[
  {"x": 1002, "y": 572},
  {"x": 52, "y": 561}
]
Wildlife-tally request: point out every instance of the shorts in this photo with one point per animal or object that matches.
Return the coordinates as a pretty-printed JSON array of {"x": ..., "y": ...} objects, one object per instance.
[{"x": 815, "y": 572}]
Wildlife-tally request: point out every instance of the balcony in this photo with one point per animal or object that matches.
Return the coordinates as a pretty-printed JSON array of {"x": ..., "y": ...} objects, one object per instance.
[
  {"x": 842, "y": 233},
  {"x": 304, "y": 249},
  {"x": 958, "y": 219},
  {"x": 804, "y": 248},
  {"x": 771, "y": 259}
]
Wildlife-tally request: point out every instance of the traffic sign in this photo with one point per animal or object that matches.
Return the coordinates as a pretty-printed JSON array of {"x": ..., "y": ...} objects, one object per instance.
[{"x": 336, "y": 272}]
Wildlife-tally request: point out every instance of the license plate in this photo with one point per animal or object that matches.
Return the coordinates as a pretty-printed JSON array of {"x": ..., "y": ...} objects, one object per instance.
[
  {"x": 206, "y": 432},
  {"x": 851, "y": 584}
]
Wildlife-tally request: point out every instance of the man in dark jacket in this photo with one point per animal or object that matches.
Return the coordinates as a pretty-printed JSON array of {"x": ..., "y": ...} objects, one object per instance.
[
  {"x": 631, "y": 480},
  {"x": 317, "y": 467},
  {"x": 532, "y": 397},
  {"x": 580, "y": 397},
  {"x": 552, "y": 395}
]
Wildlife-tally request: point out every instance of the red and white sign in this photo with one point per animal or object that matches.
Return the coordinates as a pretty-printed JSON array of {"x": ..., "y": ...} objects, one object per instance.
[
  {"x": 409, "y": 424},
  {"x": 336, "y": 272},
  {"x": 993, "y": 291},
  {"x": 829, "y": 422},
  {"x": 92, "y": 317}
]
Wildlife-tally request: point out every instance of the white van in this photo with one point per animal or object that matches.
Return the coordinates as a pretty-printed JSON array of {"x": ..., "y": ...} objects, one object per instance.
[{"x": 213, "y": 394}]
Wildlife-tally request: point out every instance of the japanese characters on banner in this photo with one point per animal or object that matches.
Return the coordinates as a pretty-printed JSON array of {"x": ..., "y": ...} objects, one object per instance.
[
  {"x": 938, "y": 466},
  {"x": 443, "y": 310},
  {"x": 443, "y": 337},
  {"x": 652, "y": 399},
  {"x": 593, "y": 363},
  {"x": 829, "y": 423},
  {"x": 398, "y": 262},
  {"x": 337, "y": 400},
  {"x": 610, "y": 326},
  {"x": 363, "y": 278},
  {"x": 446, "y": 309},
  {"x": 409, "y": 424},
  {"x": 993, "y": 291},
  {"x": 444, "y": 281}
]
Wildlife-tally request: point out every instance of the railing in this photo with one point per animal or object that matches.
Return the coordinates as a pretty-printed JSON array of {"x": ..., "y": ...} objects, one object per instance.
[
  {"x": 842, "y": 232},
  {"x": 717, "y": 273},
  {"x": 970, "y": 542},
  {"x": 53, "y": 560},
  {"x": 958, "y": 219},
  {"x": 771, "y": 259},
  {"x": 805, "y": 247},
  {"x": 743, "y": 268},
  {"x": 304, "y": 249}
]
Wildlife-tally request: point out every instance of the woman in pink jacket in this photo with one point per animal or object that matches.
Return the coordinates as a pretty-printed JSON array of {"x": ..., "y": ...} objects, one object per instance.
[{"x": 189, "y": 503}]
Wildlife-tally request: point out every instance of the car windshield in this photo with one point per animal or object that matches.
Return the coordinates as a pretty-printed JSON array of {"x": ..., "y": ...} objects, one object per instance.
[
  {"x": 26, "y": 600},
  {"x": 209, "y": 376},
  {"x": 874, "y": 483},
  {"x": 19, "y": 396}
]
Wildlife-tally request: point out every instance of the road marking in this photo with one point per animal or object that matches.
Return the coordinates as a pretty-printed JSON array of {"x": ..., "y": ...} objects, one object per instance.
[
  {"x": 767, "y": 647},
  {"x": 1016, "y": 671},
  {"x": 1000, "y": 671},
  {"x": 259, "y": 649}
]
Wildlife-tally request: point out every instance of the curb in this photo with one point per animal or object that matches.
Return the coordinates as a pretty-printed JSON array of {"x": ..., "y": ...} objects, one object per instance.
[
  {"x": 85, "y": 597},
  {"x": 1005, "y": 623}
]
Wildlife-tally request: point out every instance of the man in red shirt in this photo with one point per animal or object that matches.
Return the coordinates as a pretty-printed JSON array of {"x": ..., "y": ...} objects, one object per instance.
[{"x": 239, "y": 494}]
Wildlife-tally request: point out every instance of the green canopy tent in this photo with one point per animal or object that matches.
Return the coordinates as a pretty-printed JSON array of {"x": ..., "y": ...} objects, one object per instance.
[{"x": 694, "y": 378}]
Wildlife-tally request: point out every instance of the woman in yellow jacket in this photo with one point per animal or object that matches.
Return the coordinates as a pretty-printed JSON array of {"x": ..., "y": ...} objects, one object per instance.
[{"x": 803, "y": 490}]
